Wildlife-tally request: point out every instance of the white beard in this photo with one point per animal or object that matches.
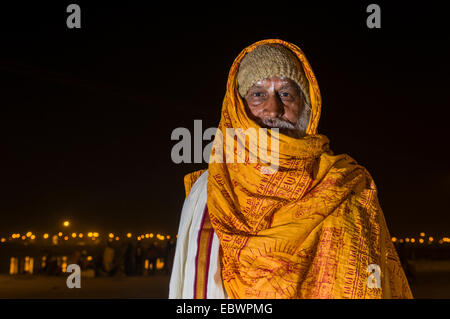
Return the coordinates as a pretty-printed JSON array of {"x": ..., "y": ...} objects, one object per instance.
[{"x": 287, "y": 128}]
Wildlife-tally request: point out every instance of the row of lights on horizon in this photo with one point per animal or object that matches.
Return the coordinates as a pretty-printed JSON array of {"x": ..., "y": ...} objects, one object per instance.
[
  {"x": 112, "y": 236},
  {"x": 420, "y": 240},
  {"x": 91, "y": 235}
]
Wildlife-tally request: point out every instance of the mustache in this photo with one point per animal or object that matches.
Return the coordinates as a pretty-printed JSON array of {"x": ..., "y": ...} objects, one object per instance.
[{"x": 278, "y": 123}]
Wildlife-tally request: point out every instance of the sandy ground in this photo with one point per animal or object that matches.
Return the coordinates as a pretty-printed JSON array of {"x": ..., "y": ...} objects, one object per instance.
[
  {"x": 425, "y": 285},
  {"x": 431, "y": 285},
  {"x": 39, "y": 286}
]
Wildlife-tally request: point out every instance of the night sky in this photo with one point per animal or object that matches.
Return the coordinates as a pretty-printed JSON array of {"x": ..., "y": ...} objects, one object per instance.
[{"x": 87, "y": 115}]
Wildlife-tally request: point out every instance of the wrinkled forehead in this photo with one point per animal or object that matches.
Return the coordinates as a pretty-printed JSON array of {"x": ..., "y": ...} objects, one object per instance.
[{"x": 276, "y": 82}]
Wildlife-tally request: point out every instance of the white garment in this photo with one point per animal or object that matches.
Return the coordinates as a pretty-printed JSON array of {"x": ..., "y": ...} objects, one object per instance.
[{"x": 183, "y": 271}]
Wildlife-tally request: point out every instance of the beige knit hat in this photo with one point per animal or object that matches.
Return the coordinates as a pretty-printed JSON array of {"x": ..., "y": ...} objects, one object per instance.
[{"x": 270, "y": 60}]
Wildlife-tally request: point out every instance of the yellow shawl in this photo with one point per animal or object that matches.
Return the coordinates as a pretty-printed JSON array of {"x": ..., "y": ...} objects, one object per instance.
[{"x": 311, "y": 229}]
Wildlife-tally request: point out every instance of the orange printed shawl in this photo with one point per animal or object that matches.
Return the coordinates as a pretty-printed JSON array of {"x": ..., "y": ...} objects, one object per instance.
[{"x": 311, "y": 229}]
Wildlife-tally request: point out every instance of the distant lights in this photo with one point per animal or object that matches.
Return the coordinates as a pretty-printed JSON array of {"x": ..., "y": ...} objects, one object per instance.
[
  {"x": 68, "y": 236},
  {"x": 394, "y": 239},
  {"x": 421, "y": 240},
  {"x": 422, "y": 234},
  {"x": 66, "y": 223}
]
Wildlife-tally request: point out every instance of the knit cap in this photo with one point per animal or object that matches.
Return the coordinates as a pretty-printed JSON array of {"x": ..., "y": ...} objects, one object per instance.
[{"x": 270, "y": 60}]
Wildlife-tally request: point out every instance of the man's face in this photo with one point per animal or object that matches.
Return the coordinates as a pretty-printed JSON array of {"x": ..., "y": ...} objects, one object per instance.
[{"x": 275, "y": 102}]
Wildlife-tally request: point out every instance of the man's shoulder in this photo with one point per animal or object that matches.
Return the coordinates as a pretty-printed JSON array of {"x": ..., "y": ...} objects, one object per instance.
[
  {"x": 191, "y": 178},
  {"x": 343, "y": 161},
  {"x": 349, "y": 171}
]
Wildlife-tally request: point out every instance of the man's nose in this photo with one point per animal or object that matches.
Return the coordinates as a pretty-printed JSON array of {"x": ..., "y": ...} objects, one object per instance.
[{"x": 274, "y": 107}]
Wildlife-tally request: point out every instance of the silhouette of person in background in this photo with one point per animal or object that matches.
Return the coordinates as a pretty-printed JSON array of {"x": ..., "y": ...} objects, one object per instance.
[
  {"x": 152, "y": 254},
  {"x": 83, "y": 262},
  {"x": 75, "y": 258},
  {"x": 51, "y": 265},
  {"x": 139, "y": 258},
  {"x": 108, "y": 259},
  {"x": 169, "y": 256},
  {"x": 130, "y": 262}
]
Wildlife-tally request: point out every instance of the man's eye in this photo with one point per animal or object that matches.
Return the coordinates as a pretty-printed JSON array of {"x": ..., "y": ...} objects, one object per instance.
[
  {"x": 284, "y": 94},
  {"x": 257, "y": 94}
]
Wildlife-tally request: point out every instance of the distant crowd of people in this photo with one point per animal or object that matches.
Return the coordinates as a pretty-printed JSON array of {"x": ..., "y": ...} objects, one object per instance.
[{"x": 127, "y": 258}]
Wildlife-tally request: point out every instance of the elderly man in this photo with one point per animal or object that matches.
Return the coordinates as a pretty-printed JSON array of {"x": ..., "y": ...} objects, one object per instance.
[{"x": 313, "y": 228}]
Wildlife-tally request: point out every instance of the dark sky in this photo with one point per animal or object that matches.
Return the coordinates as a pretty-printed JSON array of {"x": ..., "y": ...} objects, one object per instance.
[{"x": 86, "y": 115}]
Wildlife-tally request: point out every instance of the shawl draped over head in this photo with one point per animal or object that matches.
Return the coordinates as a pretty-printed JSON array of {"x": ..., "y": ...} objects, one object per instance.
[{"x": 309, "y": 230}]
